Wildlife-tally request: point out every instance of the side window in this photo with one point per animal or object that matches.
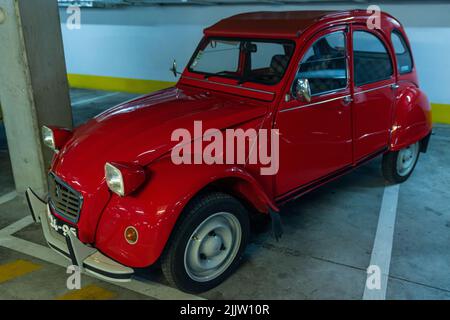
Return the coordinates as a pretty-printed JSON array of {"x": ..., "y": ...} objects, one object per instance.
[
  {"x": 404, "y": 58},
  {"x": 372, "y": 62},
  {"x": 264, "y": 53},
  {"x": 325, "y": 64}
]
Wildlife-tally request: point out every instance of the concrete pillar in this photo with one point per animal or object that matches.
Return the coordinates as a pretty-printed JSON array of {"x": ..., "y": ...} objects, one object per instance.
[{"x": 33, "y": 85}]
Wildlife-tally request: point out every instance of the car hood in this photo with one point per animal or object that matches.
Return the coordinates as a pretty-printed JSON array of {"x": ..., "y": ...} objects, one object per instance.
[{"x": 140, "y": 131}]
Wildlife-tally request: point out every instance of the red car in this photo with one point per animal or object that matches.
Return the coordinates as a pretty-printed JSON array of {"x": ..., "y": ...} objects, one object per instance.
[{"x": 336, "y": 91}]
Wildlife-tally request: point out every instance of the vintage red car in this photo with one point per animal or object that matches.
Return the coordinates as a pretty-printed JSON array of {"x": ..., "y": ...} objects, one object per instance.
[{"x": 338, "y": 91}]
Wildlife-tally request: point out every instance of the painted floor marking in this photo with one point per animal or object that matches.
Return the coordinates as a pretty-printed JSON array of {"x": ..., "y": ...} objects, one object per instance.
[
  {"x": 90, "y": 292},
  {"x": 382, "y": 247},
  {"x": 158, "y": 291},
  {"x": 89, "y": 100},
  {"x": 147, "y": 288},
  {"x": 16, "y": 226},
  {"x": 34, "y": 250},
  {"x": 15, "y": 269},
  {"x": 8, "y": 197}
]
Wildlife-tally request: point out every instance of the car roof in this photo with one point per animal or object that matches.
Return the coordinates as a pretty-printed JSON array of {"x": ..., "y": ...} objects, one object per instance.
[{"x": 280, "y": 24}]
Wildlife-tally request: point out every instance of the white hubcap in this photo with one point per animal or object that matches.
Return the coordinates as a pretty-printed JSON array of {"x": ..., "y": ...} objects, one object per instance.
[
  {"x": 406, "y": 159},
  {"x": 212, "y": 247}
]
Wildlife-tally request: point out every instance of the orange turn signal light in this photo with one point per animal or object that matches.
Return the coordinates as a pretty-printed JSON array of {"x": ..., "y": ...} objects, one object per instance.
[{"x": 131, "y": 235}]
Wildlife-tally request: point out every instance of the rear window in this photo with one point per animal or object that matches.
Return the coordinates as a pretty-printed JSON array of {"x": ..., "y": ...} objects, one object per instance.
[{"x": 402, "y": 52}]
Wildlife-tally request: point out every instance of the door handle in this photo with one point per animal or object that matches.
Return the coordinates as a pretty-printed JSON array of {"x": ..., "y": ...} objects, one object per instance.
[
  {"x": 395, "y": 86},
  {"x": 347, "y": 100}
]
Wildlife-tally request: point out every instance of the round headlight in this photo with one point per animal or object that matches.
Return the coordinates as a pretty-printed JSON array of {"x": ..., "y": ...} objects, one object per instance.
[
  {"x": 114, "y": 179},
  {"x": 55, "y": 138},
  {"x": 124, "y": 178},
  {"x": 48, "y": 137}
]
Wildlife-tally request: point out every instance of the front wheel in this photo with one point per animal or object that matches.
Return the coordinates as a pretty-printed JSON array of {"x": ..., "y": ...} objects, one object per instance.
[
  {"x": 207, "y": 244},
  {"x": 398, "y": 165}
]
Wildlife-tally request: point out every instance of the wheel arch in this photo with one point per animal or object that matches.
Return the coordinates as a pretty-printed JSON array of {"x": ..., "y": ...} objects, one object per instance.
[
  {"x": 411, "y": 120},
  {"x": 247, "y": 192},
  {"x": 232, "y": 180}
]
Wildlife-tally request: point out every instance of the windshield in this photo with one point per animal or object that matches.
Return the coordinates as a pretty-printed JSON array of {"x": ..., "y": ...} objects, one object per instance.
[{"x": 260, "y": 61}]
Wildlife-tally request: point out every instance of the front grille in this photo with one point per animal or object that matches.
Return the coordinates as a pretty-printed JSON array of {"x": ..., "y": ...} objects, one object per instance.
[{"x": 63, "y": 199}]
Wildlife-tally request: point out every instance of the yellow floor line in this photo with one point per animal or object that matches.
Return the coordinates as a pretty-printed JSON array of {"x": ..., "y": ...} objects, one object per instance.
[
  {"x": 83, "y": 81},
  {"x": 16, "y": 269},
  {"x": 90, "y": 292}
]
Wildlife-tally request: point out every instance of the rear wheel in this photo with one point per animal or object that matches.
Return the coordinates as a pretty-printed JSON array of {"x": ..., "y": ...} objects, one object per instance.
[
  {"x": 398, "y": 165},
  {"x": 207, "y": 244}
]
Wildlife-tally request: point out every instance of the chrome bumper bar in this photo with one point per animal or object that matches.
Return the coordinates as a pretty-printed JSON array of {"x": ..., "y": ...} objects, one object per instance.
[{"x": 84, "y": 256}]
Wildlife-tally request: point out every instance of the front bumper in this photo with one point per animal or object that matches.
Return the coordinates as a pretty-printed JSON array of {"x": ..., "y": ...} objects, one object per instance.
[{"x": 84, "y": 256}]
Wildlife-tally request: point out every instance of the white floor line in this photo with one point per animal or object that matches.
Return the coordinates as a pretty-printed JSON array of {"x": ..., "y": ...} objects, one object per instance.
[
  {"x": 8, "y": 197},
  {"x": 382, "y": 247},
  {"x": 34, "y": 250},
  {"x": 84, "y": 101},
  {"x": 147, "y": 288},
  {"x": 16, "y": 226}
]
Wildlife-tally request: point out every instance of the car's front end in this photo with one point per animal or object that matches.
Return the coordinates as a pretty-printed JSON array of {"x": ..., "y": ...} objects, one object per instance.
[
  {"x": 111, "y": 204},
  {"x": 62, "y": 238},
  {"x": 70, "y": 211}
]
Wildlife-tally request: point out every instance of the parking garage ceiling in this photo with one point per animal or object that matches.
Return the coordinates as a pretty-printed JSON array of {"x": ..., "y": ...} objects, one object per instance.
[{"x": 117, "y": 3}]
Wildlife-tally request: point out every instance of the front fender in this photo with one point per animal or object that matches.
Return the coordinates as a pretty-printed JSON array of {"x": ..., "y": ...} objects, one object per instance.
[
  {"x": 412, "y": 118},
  {"x": 156, "y": 207}
]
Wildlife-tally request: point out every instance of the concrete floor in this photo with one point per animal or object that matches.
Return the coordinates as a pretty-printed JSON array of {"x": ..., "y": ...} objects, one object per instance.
[{"x": 324, "y": 253}]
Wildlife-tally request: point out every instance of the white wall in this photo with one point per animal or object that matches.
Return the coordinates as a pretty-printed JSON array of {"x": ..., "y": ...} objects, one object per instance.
[{"x": 140, "y": 42}]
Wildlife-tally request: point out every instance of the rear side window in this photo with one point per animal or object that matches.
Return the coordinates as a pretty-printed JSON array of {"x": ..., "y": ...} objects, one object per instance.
[
  {"x": 372, "y": 62},
  {"x": 402, "y": 52}
]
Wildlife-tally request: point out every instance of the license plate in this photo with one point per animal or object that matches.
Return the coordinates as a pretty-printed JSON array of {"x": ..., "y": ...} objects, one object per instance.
[{"x": 59, "y": 226}]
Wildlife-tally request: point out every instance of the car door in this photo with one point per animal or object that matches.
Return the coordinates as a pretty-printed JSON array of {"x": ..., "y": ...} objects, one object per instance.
[
  {"x": 374, "y": 84},
  {"x": 316, "y": 136}
]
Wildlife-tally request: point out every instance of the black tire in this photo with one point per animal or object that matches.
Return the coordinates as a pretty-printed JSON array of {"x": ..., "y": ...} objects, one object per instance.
[
  {"x": 389, "y": 167},
  {"x": 172, "y": 260}
]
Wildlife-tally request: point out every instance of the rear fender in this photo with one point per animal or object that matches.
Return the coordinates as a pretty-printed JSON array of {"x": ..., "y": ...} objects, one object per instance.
[{"x": 412, "y": 118}]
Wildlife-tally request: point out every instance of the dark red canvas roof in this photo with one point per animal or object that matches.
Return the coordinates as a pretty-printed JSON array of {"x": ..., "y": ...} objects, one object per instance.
[{"x": 276, "y": 23}]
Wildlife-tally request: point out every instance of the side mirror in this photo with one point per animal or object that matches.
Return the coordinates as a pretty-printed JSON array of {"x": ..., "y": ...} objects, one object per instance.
[
  {"x": 302, "y": 90},
  {"x": 174, "y": 68}
]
